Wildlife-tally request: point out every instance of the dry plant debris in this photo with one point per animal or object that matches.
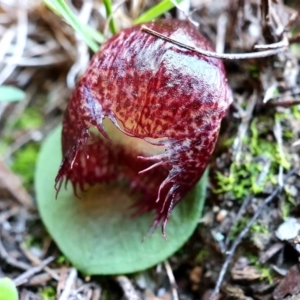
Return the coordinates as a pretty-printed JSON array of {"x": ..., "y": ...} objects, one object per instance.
[{"x": 254, "y": 172}]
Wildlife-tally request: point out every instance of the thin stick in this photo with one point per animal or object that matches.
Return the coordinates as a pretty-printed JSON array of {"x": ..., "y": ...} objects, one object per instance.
[
  {"x": 243, "y": 127},
  {"x": 286, "y": 103},
  {"x": 22, "y": 32},
  {"x": 35, "y": 261},
  {"x": 244, "y": 232},
  {"x": 23, "y": 278},
  {"x": 172, "y": 280},
  {"x": 283, "y": 43},
  {"x": 69, "y": 284},
  {"x": 11, "y": 260},
  {"x": 128, "y": 289},
  {"x": 230, "y": 56}
]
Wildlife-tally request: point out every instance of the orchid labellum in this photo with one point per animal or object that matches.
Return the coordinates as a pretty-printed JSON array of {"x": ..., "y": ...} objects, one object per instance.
[{"x": 146, "y": 112}]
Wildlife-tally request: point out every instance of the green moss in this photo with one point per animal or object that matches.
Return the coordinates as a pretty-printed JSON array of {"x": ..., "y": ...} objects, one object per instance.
[
  {"x": 259, "y": 228},
  {"x": 242, "y": 179},
  {"x": 30, "y": 119},
  {"x": 62, "y": 260},
  {"x": 31, "y": 241},
  {"x": 296, "y": 111},
  {"x": 287, "y": 203},
  {"x": 254, "y": 71},
  {"x": 202, "y": 256},
  {"x": 238, "y": 227},
  {"x": 259, "y": 149},
  {"x": 48, "y": 293},
  {"x": 266, "y": 272},
  {"x": 24, "y": 162}
]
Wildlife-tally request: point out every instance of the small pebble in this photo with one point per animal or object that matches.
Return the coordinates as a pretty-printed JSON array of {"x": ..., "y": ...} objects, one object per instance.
[
  {"x": 216, "y": 209},
  {"x": 221, "y": 215},
  {"x": 288, "y": 230}
]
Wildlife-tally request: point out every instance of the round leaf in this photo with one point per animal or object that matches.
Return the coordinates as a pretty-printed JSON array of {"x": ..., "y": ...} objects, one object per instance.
[
  {"x": 98, "y": 233},
  {"x": 11, "y": 94},
  {"x": 8, "y": 290}
]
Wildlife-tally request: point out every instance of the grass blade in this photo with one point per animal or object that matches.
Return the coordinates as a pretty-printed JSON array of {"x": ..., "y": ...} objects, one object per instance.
[
  {"x": 91, "y": 36},
  {"x": 156, "y": 11},
  {"x": 108, "y": 7}
]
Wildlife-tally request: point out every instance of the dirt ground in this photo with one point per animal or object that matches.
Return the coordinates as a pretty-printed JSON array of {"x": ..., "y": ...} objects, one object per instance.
[{"x": 246, "y": 245}]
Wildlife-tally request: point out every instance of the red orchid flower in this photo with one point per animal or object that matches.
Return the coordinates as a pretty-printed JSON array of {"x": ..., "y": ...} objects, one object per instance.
[{"x": 146, "y": 112}]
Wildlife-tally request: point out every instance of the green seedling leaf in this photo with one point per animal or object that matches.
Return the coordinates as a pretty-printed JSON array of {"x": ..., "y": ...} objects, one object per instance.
[
  {"x": 11, "y": 94},
  {"x": 156, "y": 11},
  {"x": 98, "y": 233},
  {"x": 91, "y": 36},
  {"x": 8, "y": 290}
]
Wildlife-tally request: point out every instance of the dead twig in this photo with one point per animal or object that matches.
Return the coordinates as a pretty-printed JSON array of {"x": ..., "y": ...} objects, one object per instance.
[
  {"x": 129, "y": 291},
  {"x": 11, "y": 260},
  {"x": 70, "y": 282},
  {"x": 295, "y": 39},
  {"x": 283, "y": 43},
  {"x": 246, "y": 117},
  {"x": 35, "y": 261},
  {"x": 23, "y": 278},
  {"x": 9, "y": 213},
  {"x": 230, "y": 56},
  {"x": 40, "y": 279},
  {"x": 286, "y": 103},
  {"x": 171, "y": 279},
  {"x": 12, "y": 183},
  {"x": 244, "y": 233},
  {"x": 278, "y": 136},
  {"x": 221, "y": 32},
  {"x": 21, "y": 37}
]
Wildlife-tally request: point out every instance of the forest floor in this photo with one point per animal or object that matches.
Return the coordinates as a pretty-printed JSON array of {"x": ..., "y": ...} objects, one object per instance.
[{"x": 237, "y": 250}]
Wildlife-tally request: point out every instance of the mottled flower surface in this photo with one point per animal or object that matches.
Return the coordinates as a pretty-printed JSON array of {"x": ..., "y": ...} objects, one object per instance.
[{"x": 146, "y": 112}]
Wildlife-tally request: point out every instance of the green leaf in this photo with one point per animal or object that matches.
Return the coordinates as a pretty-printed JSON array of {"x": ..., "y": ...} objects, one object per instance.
[
  {"x": 8, "y": 290},
  {"x": 91, "y": 36},
  {"x": 11, "y": 94},
  {"x": 97, "y": 233},
  {"x": 108, "y": 7},
  {"x": 156, "y": 11}
]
